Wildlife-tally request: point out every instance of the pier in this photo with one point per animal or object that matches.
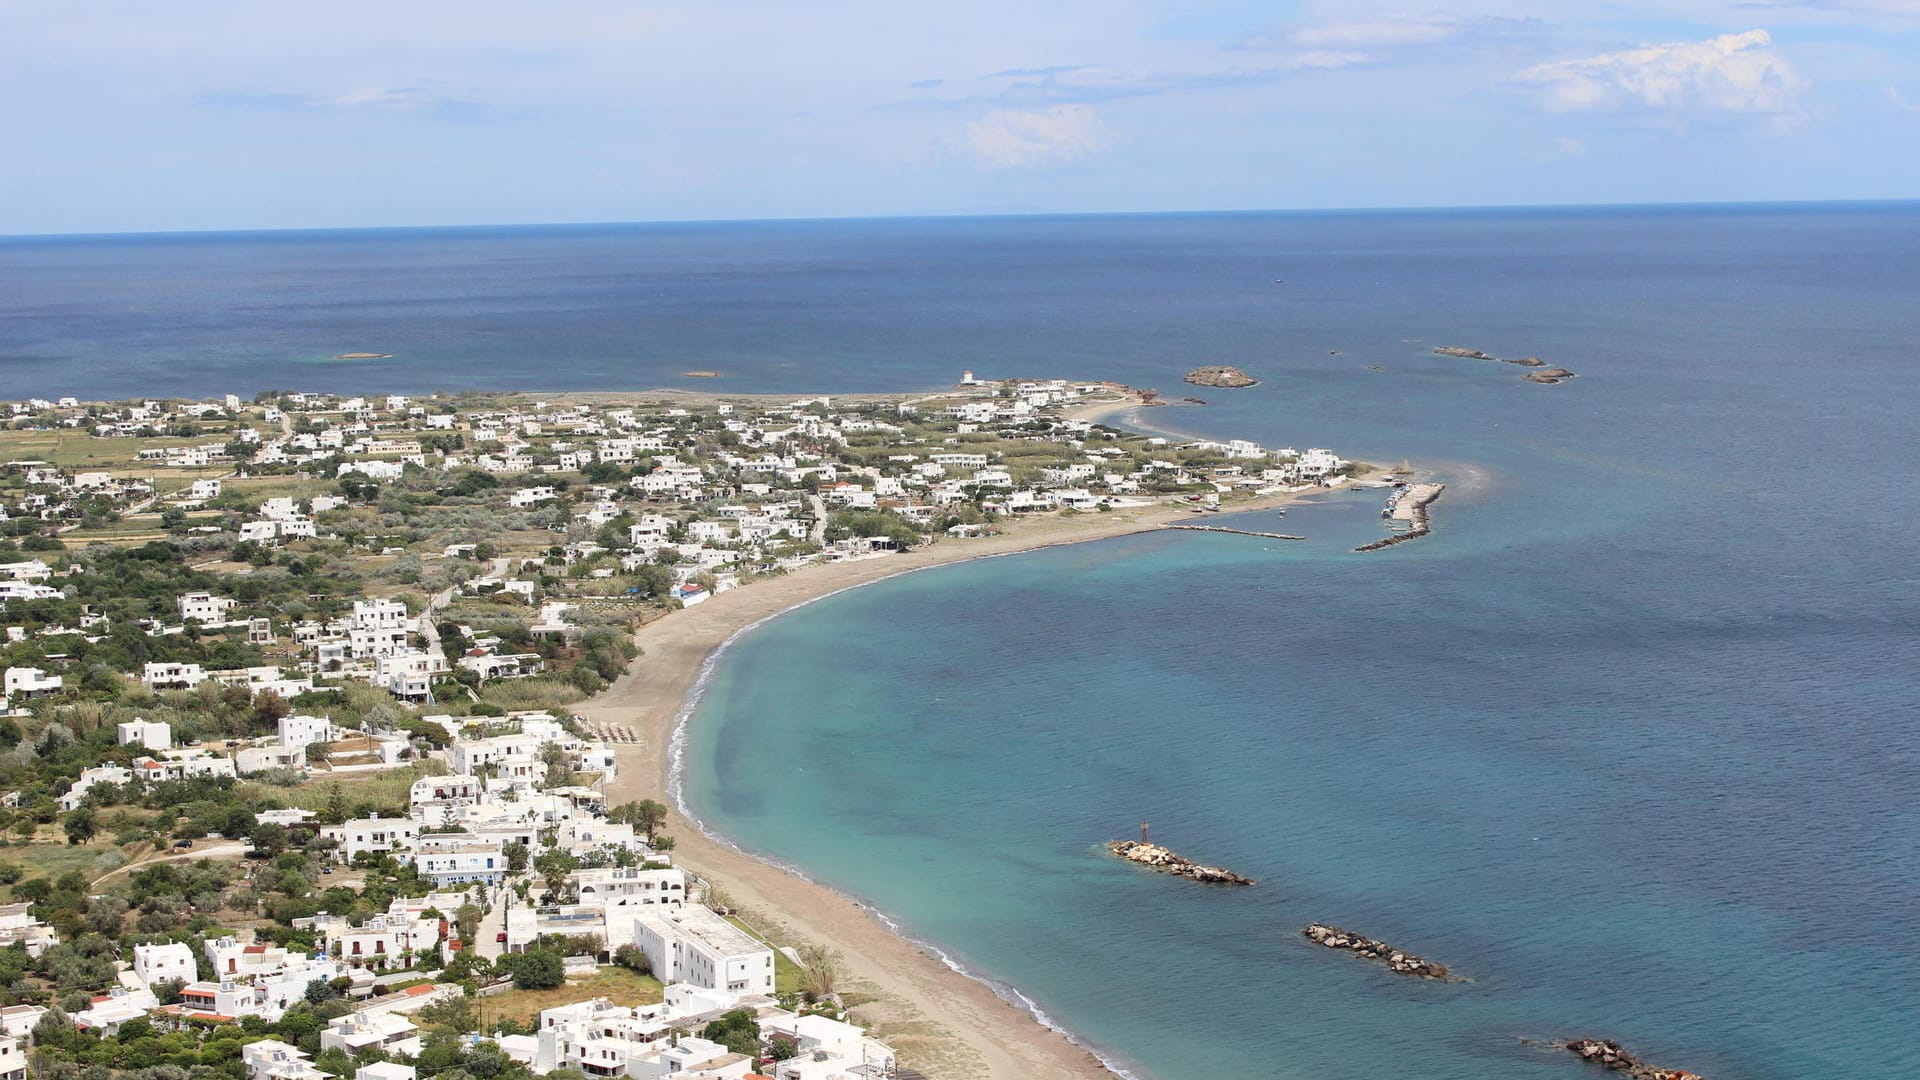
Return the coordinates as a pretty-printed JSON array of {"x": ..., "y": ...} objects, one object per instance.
[
  {"x": 1236, "y": 532},
  {"x": 1409, "y": 506}
]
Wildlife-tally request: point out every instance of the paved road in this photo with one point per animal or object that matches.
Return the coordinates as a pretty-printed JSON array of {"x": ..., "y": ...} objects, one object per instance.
[
  {"x": 427, "y": 628},
  {"x": 492, "y": 925}
]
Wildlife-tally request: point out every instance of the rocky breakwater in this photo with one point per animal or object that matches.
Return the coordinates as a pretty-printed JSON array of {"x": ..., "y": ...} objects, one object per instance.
[
  {"x": 1612, "y": 1055},
  {"x": 1404, "y": 963},
  {"x": 1229, "y": 378},
  {"x": 1155, "y": 857},
  {"x": 1410, "y": 505}
]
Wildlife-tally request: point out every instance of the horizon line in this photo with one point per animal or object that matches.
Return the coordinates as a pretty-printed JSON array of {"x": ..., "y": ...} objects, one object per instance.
[{"x": 964, "y": 215}]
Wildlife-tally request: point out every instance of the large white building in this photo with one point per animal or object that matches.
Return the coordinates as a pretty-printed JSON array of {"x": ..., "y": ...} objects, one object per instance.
[
  {"x": 690, "y": 944},
  {"x": 617, "y": 886},
  {"x": 461, "y": 862}
]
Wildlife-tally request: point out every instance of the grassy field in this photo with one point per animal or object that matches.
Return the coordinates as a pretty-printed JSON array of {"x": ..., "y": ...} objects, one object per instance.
[
  {"x": 390, "y": 788},
  {"x": 616, "y": 984},
  {"x": 50, "y": 860},
  {"x": 79, "y": 450},
  {"x": 786, "y": 973}
]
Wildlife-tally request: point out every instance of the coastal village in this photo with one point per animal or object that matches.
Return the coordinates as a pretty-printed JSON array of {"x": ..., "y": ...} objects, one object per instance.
[{"x": 299, "y": 779}]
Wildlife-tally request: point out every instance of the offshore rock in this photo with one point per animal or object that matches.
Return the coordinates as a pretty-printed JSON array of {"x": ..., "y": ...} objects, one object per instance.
[
  {"x": 1455, "y": 350},
  {"x": 1404, "y": 963},
  {"x": 1610, "y": 1054},
  {"x": 1230, "y": 378},
  {"x": 1155, "y": 857}
]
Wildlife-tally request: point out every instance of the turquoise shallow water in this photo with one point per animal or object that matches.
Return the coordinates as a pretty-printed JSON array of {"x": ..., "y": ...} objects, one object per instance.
[{"x": 1630, "y": 740}]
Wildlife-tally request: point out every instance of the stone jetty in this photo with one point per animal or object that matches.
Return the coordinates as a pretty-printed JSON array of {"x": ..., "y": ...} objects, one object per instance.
[
  {"x": 1404, "y": 963},
  {"x": 1611, "y": 1055},
  {"x": 1220, "y": 375},
  {"x": 1409, "y": 505},
  {"x": 1236, "y": 532},
  {"x": 1155, "y": 857}
]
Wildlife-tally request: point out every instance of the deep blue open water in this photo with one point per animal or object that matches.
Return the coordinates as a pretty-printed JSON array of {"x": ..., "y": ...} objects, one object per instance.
[{"x": 1631, "y": 740}]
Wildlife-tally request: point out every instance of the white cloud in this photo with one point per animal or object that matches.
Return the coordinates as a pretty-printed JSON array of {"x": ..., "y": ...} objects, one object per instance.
[
  {"x": 1329, "y": 58},
  {"x": 1376, "y": 33},
  {"x": 1570, "y": 146},
  {"x": 1009, "y": 139},
  {"x": 1900, "y": 100},
  {"x": 1739, "y": 73},
  {"x": 405, "y": 97}
]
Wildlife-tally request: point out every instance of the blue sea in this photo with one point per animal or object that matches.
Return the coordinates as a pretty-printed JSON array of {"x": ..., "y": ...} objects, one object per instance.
[{"x": 1631, "y": 741}]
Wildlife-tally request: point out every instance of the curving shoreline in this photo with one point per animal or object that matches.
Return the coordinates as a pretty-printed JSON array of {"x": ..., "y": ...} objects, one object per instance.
[{"x": 988, "y": 1029}]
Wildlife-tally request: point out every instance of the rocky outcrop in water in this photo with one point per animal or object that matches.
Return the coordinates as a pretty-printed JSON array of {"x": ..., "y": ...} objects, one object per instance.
[
  {"x": 1230, "y": 378},
  {"x": 1545, "y": 374},
  {"x": 1402, "y": 962},
  {"x": 1610, "y": 1054},
  {"x": 1155, "y": 857}
]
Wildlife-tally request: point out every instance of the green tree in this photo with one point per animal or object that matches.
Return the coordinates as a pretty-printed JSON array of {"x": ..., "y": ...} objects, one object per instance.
[
  {"x": 453, "y": 1013},
  {"x": 737, "y": 1031},
  {"x": 81, "y": 825},
  {"x": 633, "y": 958},
  {"x": 269, "y": 839},
  {"x": 336, "y": 809},
  {"x": 538, "y": 969}
]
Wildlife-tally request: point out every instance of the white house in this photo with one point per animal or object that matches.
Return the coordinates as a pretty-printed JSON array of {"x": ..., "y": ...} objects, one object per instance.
[
  {"x": 409, "y": 673},
  {"x": 99, "y": 774},
  {"x": 372, "y": 834},
  {"x": 204, "y": 607},
  {"x": 299, "y": 732},
  {"x": 271, "y": 1059},
  {"x": 172, "y": 676},
  {"x": 155, "y": 964},
  {"x": 147, "y": 733},
  {"x": 356, "y": 1032},
  {"x": 17, "y": 926},
  {"x": 28, "y": 681},
  {"x": 13, "y": 1063}
]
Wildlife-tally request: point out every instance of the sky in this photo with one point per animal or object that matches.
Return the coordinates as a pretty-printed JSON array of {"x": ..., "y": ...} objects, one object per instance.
[{"x": 120, "y": 116}]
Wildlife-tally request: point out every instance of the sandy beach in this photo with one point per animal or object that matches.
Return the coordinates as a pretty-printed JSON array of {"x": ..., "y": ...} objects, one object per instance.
[{"x": 943, "y": 1023}]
